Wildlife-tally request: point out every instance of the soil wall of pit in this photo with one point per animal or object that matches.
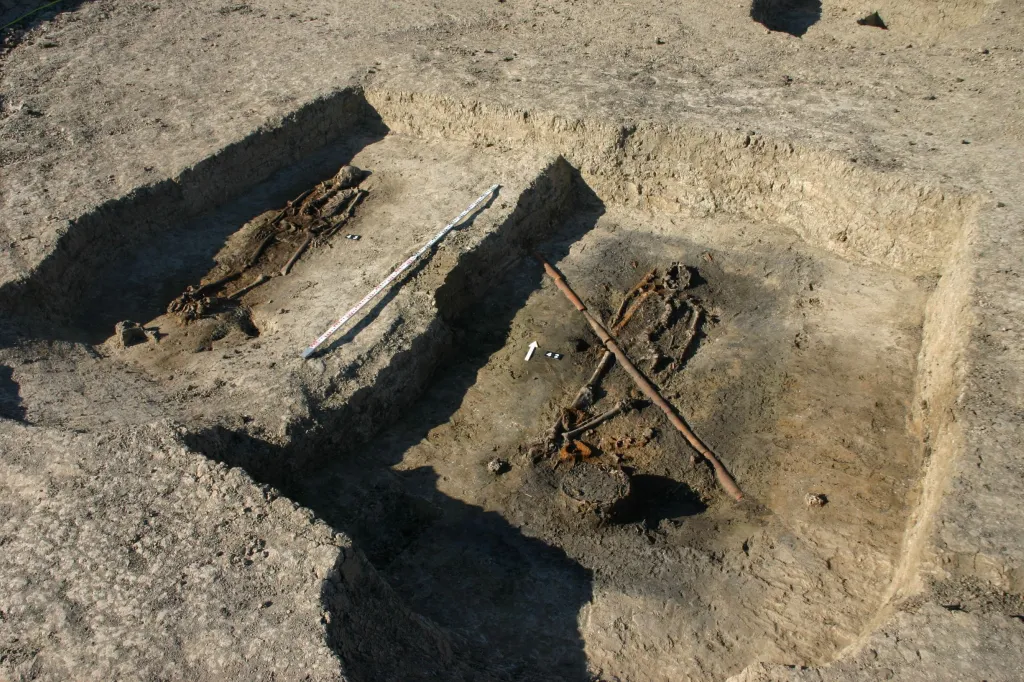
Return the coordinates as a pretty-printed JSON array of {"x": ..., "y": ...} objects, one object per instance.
[
  {"x": 856, "y": 212},
  {"x": 941, "y": 374},
  {"x": 832, "y": 203}
]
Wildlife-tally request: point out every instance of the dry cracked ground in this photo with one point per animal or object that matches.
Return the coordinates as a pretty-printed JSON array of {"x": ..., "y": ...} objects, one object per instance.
[{"x": 801, "y": 220}]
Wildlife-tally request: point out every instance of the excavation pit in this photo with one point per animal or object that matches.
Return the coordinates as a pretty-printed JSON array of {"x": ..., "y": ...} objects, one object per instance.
[
  {"x": 797, "y": 346},
  {"x": 802, "y": 381}
]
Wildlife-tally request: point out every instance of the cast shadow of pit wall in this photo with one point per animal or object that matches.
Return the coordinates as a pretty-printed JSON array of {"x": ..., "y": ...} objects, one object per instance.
[
  {"x": 18, "y": 18},
  {"x": 11, "y": 406}
]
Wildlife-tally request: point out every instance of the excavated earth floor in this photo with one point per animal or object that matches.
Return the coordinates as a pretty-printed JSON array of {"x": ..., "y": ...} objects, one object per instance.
[{"x": 806, "y": 236}]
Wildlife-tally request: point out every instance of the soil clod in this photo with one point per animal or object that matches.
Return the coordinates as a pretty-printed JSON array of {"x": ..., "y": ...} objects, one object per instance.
[{"x": 129, "y": 333}]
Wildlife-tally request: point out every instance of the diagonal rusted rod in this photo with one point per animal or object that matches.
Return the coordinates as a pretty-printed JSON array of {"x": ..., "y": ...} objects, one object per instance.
[{"x": 724, "y": 479}]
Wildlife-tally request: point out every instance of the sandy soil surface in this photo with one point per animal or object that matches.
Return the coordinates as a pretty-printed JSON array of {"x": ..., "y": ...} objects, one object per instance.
[{"x": 830, "y": 210}]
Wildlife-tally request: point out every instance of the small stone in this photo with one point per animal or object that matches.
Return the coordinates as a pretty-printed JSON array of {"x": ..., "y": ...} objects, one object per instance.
[
  {"x": 498, "y": 466},
  {"x": 129, "y": 333},
  {"x": 815, "y": 500}
]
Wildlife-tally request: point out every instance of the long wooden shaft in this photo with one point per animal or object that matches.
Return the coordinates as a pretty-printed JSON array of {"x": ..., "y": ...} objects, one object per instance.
[{"x": 724, "y": 479}]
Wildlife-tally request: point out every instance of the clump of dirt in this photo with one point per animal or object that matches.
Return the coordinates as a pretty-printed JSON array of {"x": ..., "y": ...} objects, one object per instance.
[
  {"x": 222, "y": 320},
  {"x": 128, "y": 333}
]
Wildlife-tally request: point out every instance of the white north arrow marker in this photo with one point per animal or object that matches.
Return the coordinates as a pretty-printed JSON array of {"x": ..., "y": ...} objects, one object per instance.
[{"x": 529, "y": 353}]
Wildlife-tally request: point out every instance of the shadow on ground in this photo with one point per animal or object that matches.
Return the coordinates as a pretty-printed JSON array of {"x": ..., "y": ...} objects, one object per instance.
[
  {"x": 20, "y": 16},
  {"x": 10, "y": 396},
  {"x": 794, "y": 17},
  {"x": 653, "y": 499}
]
